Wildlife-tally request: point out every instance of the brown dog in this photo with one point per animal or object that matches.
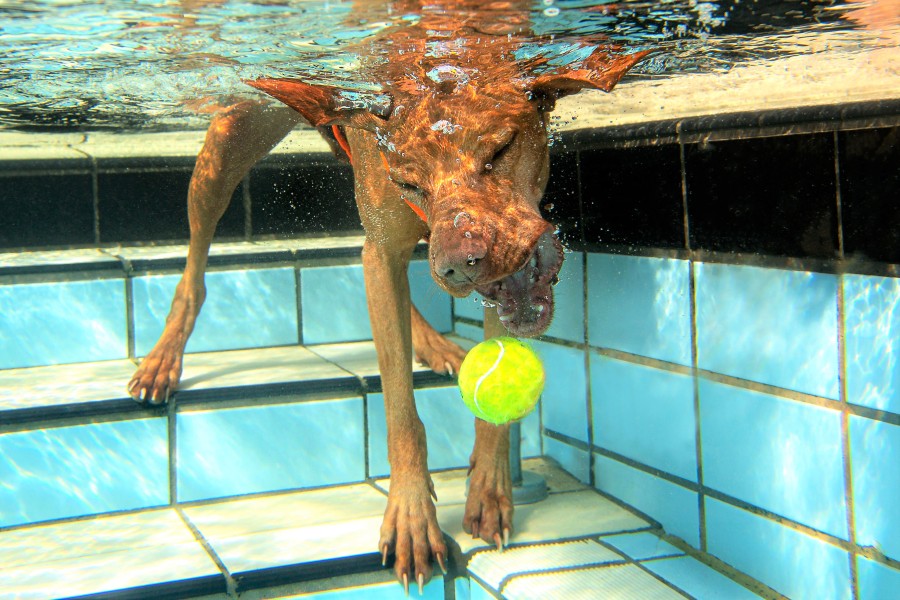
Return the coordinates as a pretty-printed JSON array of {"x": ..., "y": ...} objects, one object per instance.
[{"x": 454, "y": 148}]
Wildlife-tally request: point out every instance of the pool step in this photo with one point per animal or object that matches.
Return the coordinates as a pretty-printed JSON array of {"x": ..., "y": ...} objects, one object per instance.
[{"x": 265, "y": 474}]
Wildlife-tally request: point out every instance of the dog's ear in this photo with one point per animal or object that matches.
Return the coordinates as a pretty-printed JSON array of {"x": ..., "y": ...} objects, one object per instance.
[
  {"x": 601, "y": 70},
  {"x": 325, "y": 105}
]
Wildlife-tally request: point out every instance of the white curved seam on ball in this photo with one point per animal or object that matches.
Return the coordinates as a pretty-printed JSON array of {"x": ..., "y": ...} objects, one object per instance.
[{"x": 487, "y": 373}]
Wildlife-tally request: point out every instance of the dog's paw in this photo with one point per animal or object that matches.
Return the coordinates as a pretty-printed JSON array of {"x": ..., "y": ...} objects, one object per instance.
[
  {"x": 411, "y": 533},
  {"x": 435, "y": 351},
  {"x": 489, "y": 506},
  {"x": 157, "y": 376}
]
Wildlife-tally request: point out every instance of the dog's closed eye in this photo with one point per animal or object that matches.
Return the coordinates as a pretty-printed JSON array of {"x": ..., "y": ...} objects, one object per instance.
[{"x": 500, "y": 153}]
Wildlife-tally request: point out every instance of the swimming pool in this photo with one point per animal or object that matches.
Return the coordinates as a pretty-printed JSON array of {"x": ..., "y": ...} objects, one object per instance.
[{"x": 721, "y": 417}]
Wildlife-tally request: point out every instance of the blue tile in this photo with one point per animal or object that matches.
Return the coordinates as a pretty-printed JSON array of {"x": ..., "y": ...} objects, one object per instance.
[
  {"x": 786, "y": 560},
  {"x": 471, "y": 332},
  {"x": 568, "y": 300},
  {"x": 469, "y": 307},
  {"x": 65, "y": 322},
  {"x": 244, "y": 309},
  {"x": 699, "y": 580},
  {"x": 780, "y": 455},
  {"x": 434, "y": 590},
  {"x": 641, "y": 546},
  {"x": 225, "y": 452},
  {"x": 875, "y": 456},
  {"x": 434, "y": 303},
  {"x": 640, "y": 305},
  {"x": 675, "y": 507},
  {"x": 461, "y": 586},
  {"x": 334, "y": 303},
  {"x": 82, "y": 470},
  {"x": 876, "y": 581},
  {"x": 479, "y": 592},
  {"x": 449, "y": 427},
  {"x": 564, "y": 401},
  {"x": 871, "y": 331},
  {"x": 644, "y": 413},
  {"x": 574, "y": 460},
  {"x": 768, "y": 325}
]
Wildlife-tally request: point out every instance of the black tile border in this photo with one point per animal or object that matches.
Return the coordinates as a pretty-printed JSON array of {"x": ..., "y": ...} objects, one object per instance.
[
  {"x": 172, "y": 590},
  {"x": 296, "y": 573}
]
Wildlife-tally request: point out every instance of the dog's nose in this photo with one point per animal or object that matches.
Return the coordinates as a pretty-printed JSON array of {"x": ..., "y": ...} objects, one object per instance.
[{"x": 461, "y": 262}]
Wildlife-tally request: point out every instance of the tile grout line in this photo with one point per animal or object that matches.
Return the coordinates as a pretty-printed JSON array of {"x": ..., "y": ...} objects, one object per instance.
[
  {"x": 845, "y": 442},
  {"x": 230, "y": 584},
  {"x": 695, "y": 365},
  {"x": 584, "y": 346}
]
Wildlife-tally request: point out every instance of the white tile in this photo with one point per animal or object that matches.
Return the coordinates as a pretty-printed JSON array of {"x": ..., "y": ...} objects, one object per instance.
[
  {"x": 97, "y": 555},
  {"x": 492, "y": 567},
  {"x": 624, "y": 582},
  {"x": 258, "y": 533},
  {"x": 254, "y": 367},
  {"x": 56, "y": 258},
  {"x": 359, "y": 358},
  {"x": 64, "y": 384}
]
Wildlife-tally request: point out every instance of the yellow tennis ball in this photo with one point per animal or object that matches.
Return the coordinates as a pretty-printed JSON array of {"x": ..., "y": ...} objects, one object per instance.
[{"x": 501, "y": 380}]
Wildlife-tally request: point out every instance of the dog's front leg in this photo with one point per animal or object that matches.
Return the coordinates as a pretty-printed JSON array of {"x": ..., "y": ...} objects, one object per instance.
[
  {"x": 410, "y": 526},
  {"x": 489, "y": 507},
  {"x": 237, "y": 138}
]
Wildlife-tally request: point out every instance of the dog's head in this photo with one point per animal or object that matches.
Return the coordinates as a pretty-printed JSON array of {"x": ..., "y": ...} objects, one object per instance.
[{"x": 466, "y": 147}]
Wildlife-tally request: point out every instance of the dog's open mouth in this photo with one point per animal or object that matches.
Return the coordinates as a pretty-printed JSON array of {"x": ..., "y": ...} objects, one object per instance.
[{"x": 525, "y": 299}]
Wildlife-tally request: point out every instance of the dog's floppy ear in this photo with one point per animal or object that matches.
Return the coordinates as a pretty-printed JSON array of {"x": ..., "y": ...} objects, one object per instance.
[
  {"x": 325, "y": 105},
  {"x": 601, "y": 70}
]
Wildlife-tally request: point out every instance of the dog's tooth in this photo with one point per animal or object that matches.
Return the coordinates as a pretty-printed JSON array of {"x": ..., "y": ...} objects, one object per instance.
[
  {"x": 538, "y": 307},
  {"x": 505, "y": 318}
]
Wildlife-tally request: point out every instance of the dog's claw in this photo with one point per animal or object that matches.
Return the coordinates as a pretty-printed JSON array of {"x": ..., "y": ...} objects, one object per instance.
[
  {"x": 506, "y": 536},
  {"x": 384, "y": 553},
  {"x": 406, "y": 584},
  {"x": 499, "y": 542},
  {"x": 420, "y": 579},
  {"x": 440, "y": 561},
  {"x": 449, "y": 368}
]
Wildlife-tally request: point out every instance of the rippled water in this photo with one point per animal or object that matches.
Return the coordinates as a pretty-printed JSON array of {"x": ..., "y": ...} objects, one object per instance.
[{"x": 161, "y": 64}]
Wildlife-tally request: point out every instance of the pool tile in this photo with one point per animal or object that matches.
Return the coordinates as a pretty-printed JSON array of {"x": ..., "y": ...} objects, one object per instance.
[
  {"x": 773, "y": 326},
  {"x": 640, "y": 305},
  {"x": 433, "y": 590},
  {"x": 472, "y": 332},
  {"x": 62, "y": 385},
  {"x": 876, "y": 581},
  {"x": 82, "y": 470},
  {"x": 622, "y": 205},
  {"x": 780, "y": 455},
  {"x": 785, "y": 559},
  {"x": 871, "y": 331},
  {"x": 644, "y": 413},
  {"x": 303, "y": 199},
  {"x": 574, "y": 460},
  {"x": 449, "y": 427},
  {"x": 249, "y": 308},
  {"x": 780, "y": 193},
  {"x": 102, "y": 555},
  {"x": 559, "y": 516},
  {"x": 469, "y": 307},
  {"x": 870, "y": 175},
  {"x": 234, "y": 451},
  {"x": 47, "y": 210},
  {"x": 568, "y": 300},
  {"x": 673, "y": 506},
  {"x": 213, "y": 374},
  {"x": 493, "y": 567},
  {"x": 564, "y": 400},
  {"x": 334, "y": 303},
  {"x": 874, "y": 454},
  {"x": 626, "y": 581},
  {"x": 37, "y": 326},
  {"x": 698, "y": 580},
  {"x": 294, "y": 529},
  {"x": 641, "y": 545}
]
